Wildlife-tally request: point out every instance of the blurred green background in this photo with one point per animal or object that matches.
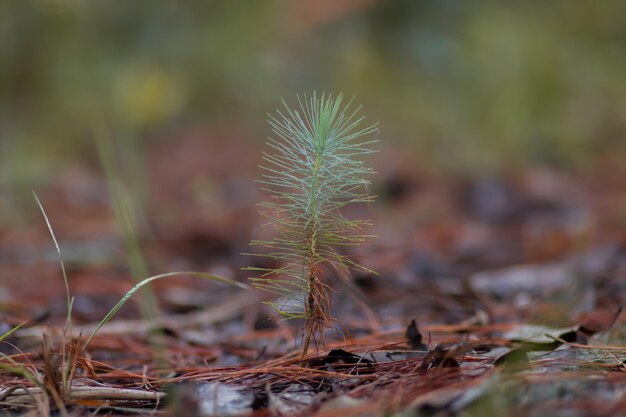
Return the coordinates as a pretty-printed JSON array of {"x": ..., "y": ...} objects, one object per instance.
[{"x": 469, "y": 86}]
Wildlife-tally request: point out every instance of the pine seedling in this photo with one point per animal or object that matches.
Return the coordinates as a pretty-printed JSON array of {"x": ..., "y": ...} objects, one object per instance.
[{"x": 312, "y": 172}]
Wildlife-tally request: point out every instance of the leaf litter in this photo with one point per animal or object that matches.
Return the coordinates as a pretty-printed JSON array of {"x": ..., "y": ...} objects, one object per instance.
[{"x": 476, "y": 313}]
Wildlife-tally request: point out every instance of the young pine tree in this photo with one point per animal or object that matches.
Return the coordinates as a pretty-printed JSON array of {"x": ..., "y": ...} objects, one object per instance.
[{"x": 312, "y": 172}]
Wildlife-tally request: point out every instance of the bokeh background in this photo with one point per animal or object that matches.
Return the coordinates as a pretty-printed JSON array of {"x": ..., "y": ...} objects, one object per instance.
[
  {"x": 468, "y": 85},
  {"x": 462, "y": 90}
]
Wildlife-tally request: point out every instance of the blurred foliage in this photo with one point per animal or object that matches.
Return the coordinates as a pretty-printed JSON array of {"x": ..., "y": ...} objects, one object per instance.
[{"x": 473, "y": 85}]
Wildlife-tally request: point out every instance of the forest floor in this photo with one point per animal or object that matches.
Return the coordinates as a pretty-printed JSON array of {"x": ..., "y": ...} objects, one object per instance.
[{"x": 498, "y": 295}]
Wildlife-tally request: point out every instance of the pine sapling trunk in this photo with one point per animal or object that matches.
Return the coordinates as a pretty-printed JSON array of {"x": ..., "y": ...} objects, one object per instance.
[{"x": 317, "y": 306}]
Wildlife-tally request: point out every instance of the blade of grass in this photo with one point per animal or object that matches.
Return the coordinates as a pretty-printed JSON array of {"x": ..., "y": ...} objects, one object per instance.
[
  {"x": 125, "y": 211},
  {"x": 129, "y": 294},
  {"x": 19, "y": 370},
  {"x": 67, "y": 360},
  {"x": 56, "y": 245},
  {"x": 14, "y": 329}
]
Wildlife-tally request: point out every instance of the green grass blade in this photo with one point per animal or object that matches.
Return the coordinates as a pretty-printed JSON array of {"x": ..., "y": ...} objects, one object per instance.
[
  {"x": 14, "y": 329},
  {"x": 133, "y": 290},
  {"x": 19, "y": 370},
  {"x": 56, "y": 244},
  {"x": 126, "y": 211}
]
